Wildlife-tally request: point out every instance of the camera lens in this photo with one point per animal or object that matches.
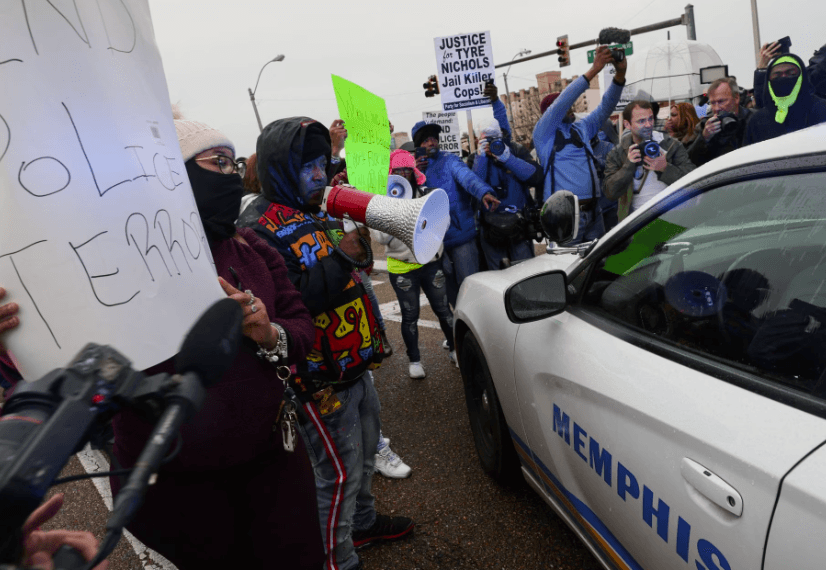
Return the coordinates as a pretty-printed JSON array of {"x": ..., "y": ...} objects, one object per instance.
[
  {"x": 497, "y": 146},
  {"x": 651, "y": 149}
]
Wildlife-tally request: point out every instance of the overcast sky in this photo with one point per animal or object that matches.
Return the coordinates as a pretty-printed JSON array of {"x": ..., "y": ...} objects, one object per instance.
[{"x": 212, "y": 50}]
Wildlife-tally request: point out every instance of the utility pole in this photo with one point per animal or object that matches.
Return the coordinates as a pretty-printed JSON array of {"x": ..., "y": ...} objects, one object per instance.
[{"x": 755, "y": 24}]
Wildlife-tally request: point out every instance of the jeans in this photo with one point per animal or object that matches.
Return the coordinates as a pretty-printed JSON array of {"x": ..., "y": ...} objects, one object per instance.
[
  {"x": 494, "y": 254},
  {"x": 459, "y": 262},
  {"x": 591, "y": 227},
  {"x": 431, "y": 279},
  {"x": 342, "y": 447}
]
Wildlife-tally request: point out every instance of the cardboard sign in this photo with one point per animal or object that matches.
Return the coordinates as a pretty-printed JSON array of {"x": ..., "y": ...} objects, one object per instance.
[
  {"x": 368, "y": 136},
  {"x": 629, "y": 92},
  {"x": 449, "y": 138},
  {"x": 464, "y": 62},
  {"x": 100, "y": 238}
]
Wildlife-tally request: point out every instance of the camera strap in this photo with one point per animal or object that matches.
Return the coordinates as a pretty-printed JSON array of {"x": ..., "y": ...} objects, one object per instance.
[{"x": 560, "y": 142}]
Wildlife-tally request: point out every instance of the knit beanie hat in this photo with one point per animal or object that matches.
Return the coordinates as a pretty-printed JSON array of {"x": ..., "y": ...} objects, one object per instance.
[
  {"x": 403, "y": 159},
  {"x": 547, "y": 102},
  {"x": 196, "y": 137}
]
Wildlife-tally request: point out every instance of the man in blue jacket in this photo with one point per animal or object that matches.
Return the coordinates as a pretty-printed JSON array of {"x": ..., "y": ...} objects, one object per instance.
[
  {"x": 510, "y": 171},
  {"x": 448, "y": 172},
  {"x": 564, "y": 148}
]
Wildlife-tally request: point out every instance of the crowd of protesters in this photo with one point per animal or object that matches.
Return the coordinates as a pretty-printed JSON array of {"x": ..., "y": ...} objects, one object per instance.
[{"x": 301, "y": 279}]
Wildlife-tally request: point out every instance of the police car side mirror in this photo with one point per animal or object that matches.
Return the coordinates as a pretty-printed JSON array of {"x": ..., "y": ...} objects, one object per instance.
[
  {"x": 537, "y": 297},
  {"x": 559, "y": 217}
]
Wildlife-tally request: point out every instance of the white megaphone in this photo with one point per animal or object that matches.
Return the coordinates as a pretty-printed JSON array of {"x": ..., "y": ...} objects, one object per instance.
[{"x": 420, "y": 223}]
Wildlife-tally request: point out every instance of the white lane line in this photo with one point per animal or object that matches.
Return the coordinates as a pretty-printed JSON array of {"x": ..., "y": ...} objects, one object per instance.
[
  {"x": 393, "y": 312},
  {"x": 94, "y": 461}
]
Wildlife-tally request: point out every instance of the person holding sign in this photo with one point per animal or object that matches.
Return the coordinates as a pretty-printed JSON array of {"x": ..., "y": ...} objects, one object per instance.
[
  {"x": 448, "y": 172},
  {"x": 563, "y": 144},
  {"x": 235, "y": 496},
  {"x": 340, "y": 406}
]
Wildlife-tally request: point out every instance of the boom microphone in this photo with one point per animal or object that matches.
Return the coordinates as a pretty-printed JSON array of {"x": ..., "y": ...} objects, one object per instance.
[{"x": 420, "y": 224}]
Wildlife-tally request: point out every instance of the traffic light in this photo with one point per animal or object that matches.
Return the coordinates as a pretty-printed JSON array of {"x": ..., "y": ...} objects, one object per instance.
[
  {"x": 564, "y": 50},
  {"x": 431, "y": 88}
]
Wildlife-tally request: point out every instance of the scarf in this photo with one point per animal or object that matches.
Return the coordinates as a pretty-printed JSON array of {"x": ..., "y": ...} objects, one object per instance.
[{"x": 784, "y": 102}]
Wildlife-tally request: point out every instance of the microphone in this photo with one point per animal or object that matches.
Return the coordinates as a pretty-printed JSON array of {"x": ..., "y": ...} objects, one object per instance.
[
  {"x": 207, "y": 352},
  {"x": 210, "y": 346}
]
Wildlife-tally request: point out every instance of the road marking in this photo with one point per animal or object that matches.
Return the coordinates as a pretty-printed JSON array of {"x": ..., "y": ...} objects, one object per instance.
[{"x": 94, "y": 461}]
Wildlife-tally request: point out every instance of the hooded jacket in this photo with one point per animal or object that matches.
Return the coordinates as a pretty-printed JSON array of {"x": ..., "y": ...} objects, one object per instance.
[
  {"x": 808, "y": 109},
  {"x": 347, "y": 337}
]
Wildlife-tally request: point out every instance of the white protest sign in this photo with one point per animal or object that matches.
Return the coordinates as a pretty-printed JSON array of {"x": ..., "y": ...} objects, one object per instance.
[
  {"x": 449, "y": 138},
  {"x": 465, "y": 62},
  {"x": 100, "y": 238}
]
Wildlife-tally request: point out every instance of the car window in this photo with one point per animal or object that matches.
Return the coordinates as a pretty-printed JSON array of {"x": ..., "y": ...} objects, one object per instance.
[{"x": 737, "y": 272}]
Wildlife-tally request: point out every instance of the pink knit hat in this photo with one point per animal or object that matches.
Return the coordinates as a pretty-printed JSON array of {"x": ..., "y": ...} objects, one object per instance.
[{"x": 403, "y": 159}]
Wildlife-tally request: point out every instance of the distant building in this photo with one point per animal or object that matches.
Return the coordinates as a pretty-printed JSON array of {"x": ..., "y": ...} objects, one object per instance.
[{"x": 399, "y": 139}]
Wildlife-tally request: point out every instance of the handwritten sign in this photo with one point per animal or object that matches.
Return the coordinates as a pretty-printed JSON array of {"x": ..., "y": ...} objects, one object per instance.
[
  {"x": 465, "y": 62},
  {"x": 368, "y": 136},
  {"x": 449, "y": 137},
  {"x": 100, "y": 238}
]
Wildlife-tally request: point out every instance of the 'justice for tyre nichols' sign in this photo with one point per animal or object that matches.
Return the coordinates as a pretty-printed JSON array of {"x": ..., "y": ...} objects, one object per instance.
[{"x": 464, "y": 62}]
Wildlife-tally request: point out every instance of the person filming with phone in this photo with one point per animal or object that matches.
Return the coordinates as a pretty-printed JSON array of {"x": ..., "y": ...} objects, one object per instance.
[
  {"x": 724, "y": 130},
  {"x": 642, "y": 165}
]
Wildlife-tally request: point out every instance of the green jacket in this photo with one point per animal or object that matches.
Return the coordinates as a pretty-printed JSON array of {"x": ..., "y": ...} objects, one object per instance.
[{"x": 619, "y": 171}]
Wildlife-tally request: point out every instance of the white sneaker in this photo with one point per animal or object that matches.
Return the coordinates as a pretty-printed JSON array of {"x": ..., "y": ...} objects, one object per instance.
[
  {"x": 452, "y": 356},
  {"x": 417, "y": 370},
  {"x": 391, "y": 465},
  {"x": 445, "y": 345}
]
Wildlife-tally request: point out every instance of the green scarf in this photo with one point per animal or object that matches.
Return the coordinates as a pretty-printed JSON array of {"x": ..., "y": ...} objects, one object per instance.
[{"x": 783, "y": 103}]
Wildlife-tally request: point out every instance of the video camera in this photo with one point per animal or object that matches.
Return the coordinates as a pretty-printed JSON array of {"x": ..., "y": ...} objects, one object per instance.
[
  {"x": 48, "y": 420},
  {"x": 608, "y": 36}
]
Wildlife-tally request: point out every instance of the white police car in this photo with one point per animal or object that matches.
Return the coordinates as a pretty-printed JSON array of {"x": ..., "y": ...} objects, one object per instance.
[{"x": 664, "y": 390}]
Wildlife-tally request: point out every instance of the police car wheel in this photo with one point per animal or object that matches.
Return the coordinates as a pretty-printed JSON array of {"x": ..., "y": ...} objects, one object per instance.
[{"x": 487, "y": 422}]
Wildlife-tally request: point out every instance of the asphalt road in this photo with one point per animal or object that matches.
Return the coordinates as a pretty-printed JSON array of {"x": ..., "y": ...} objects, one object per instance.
[{"x": 464, "y": 519}]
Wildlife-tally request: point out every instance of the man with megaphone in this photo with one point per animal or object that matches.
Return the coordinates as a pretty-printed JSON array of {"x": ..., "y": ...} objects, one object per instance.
[{"x": 340, "y": 407}]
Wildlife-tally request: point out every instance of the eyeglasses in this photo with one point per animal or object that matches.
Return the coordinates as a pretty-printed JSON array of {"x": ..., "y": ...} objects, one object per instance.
[
  {"x": 223, "y": 163},
  {"x": 403, "y": 171}
]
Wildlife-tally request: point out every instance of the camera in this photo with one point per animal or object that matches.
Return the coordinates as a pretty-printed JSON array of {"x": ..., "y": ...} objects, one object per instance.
[
  {"x": 422, "y": 152},
  {"x": 728, "y": 123},
  {"x": 609, "y": 36},
  {"x": 651, "y": 149},
  {"x": 497, "y": 146}
]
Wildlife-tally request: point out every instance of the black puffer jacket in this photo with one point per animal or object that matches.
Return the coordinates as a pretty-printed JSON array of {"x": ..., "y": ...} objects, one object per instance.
[{"x": 808, "y": 109}]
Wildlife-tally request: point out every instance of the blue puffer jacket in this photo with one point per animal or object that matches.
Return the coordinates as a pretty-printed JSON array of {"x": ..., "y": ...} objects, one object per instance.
[{"x": 448, "y": 172}]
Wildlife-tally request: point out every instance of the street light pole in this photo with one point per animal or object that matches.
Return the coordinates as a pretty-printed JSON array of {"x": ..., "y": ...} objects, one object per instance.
[
  {"x": 756, "y": 27},
  {"x": 505, "y": 76},
  {"x": 279, "y": 57}
]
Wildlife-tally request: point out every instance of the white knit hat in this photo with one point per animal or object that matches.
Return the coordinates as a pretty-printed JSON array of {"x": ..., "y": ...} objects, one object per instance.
[{"x": 195, "y": 138}]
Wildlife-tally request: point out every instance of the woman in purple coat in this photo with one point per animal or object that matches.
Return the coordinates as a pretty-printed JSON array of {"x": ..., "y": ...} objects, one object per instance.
[{"x": 233, "y": 497}]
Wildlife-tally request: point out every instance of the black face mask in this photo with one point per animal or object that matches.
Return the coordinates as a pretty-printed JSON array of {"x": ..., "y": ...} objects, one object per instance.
[
  {"x": 218, "y": 197},
  {"x": 783, "y": 86}
]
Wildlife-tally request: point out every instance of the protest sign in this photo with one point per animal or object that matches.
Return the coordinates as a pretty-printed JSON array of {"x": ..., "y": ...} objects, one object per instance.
[
  {"x": 100, "y": 237},
  {"x": 450, "y": 135},
  {"x": 464, "y": 62},
  {"x": 629, "y": 92},
  {"x": 368, "y": 136}
]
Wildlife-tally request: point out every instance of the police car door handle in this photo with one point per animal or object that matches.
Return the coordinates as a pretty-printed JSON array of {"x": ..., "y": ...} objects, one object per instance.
[{"x": 712, "y": 487}]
